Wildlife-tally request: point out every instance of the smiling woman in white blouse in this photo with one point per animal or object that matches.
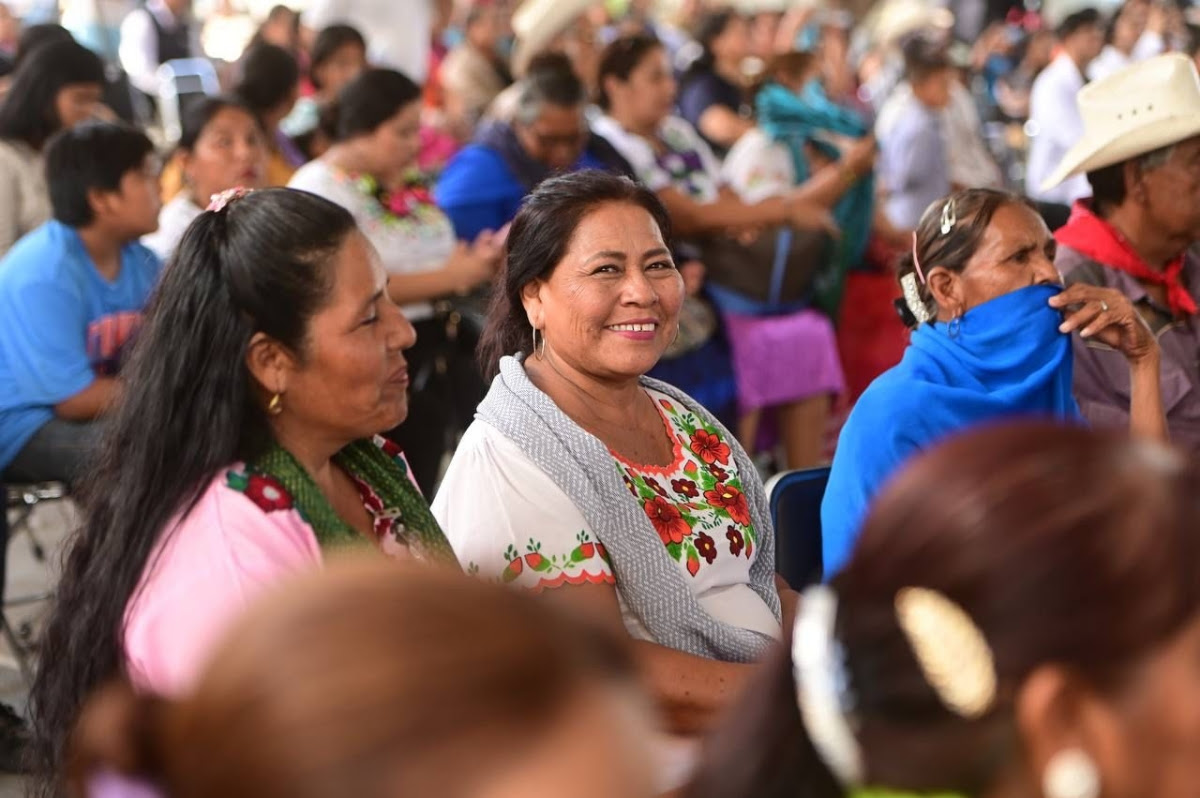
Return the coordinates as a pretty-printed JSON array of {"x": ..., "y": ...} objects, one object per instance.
[{"x": 583, "y": 480}]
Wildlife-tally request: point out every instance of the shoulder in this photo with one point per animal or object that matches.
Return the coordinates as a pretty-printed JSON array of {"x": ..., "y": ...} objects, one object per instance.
[
  {"x": 42, "y": 256},
  {"x": 241, "y": 537},
  {"x": 676, "y": 131},
  {"x": 317, "y": 177},
  {"x": 1078, "y": 268},
  {"x": 508, "y": 520},
  {"x": 471, "y": 170}
]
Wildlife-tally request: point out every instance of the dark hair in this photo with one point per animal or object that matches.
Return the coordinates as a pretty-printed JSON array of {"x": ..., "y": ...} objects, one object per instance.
[
  {"x": 539, "y": 238},
  {"x": 329, "y": 41},
  {"x": 620, "y": 58},
  {"x": 1193, "y": 40},
  {"x": 276, "y": 14},
  {"x": 36, "y": 36},
  {"x": 783, "y": 67},
  {"x": 923, "y": 58},
  {"x": 198, "y": 116},
  {"x": 28, "y": 112},
  {"x": 1108, "y": 183},
  {"x": 706, "y": 31},
  {"x": 367, "y": 102},
  {"x": 91, "y": 157},
  {"x": 550, "y": 80},
  {"x": 190, "y": 407},
  {"x": 269, "y": 75},
  {"x": 1063, "y": 545},
  {"x": 1084, "y": 18},
  {"x": 466, "y": 676},
  {"x": 973, "y": 212}
]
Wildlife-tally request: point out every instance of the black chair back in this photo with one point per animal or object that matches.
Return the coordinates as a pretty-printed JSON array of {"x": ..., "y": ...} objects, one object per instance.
[{"x": 795, "y": 498}]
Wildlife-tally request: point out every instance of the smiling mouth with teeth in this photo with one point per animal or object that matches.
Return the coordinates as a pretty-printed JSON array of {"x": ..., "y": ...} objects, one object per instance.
[{"x": 634, "y": 327}]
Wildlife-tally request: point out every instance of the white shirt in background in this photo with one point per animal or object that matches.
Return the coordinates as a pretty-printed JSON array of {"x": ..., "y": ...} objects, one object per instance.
[
  {"x": 1111, "y": 60},
  {"x": 139, "y": 43},
  {"x": 419, "y": 243},
  {"x": 173, "y": 222},
  {"x": 399, "y": 33},
  {"x": 1055, "y": 126}
]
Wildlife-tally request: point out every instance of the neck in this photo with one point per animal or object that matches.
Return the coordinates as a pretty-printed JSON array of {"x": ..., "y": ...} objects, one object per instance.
[
  {"x": 349, "y": 158},
  {"x": 103, "y": 248},
  {"x": 1078, "y": 60},
  {"x": 732, "y": 72},
  {"x": 580, "y": 395},
  {"x": 315, "y": 454},
  {"x": 634, "y": 126},
  {"x": 1156, "y": 247}
]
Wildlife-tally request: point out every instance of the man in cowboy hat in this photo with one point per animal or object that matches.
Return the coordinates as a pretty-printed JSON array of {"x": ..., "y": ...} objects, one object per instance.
[{"x": 1141, "y": 153}]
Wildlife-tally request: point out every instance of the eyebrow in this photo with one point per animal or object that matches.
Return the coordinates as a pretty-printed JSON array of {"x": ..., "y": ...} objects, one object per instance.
[
  {"x": 364, "y": 307},
  {"x": 612, "y": 254}
]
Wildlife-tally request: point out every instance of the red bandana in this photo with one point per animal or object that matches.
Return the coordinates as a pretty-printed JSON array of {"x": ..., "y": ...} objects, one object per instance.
[{"x": 1088, "y": 234}]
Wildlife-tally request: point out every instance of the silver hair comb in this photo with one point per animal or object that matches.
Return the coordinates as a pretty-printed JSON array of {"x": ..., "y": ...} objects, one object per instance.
[{"x": 949, "y": 219}]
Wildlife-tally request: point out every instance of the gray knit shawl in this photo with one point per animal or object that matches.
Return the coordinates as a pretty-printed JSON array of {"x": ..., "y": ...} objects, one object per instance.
[{"x": 649, "y": 581}]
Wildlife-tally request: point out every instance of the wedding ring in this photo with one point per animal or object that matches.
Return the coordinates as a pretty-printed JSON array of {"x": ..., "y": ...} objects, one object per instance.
[{"x": 1103, "y": 306}]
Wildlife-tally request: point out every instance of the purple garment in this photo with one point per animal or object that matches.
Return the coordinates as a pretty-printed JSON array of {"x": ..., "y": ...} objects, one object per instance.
[
  {"x": 291, "y": 153},
  {"x": 782, "y": 359},
  {"x": 1102, "y": 373}
]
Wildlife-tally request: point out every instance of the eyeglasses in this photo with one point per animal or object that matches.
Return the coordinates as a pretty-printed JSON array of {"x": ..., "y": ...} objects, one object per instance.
[{"x": 549, "y": 141}]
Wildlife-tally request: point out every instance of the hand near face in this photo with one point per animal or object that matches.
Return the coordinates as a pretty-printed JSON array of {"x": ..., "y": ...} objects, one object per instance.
[
  {"x": 1107, "y": 316},
  {"x": 693, "y": 272}
]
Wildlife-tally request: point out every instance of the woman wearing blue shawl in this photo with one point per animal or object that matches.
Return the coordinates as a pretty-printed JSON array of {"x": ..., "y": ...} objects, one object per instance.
[{"x": 992, "y": 341}]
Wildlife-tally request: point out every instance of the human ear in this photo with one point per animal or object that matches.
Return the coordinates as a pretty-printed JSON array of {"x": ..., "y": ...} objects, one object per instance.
[
  {"x": 531, "y": 299},
  {"x": 270, "y": 363},
  {"x": 1057, "y": 712},
  {"x": 946, "y": 289}
]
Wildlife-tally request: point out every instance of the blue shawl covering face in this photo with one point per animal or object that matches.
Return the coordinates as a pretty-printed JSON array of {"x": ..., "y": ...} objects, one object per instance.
[{"x": 1006, "y": 359}]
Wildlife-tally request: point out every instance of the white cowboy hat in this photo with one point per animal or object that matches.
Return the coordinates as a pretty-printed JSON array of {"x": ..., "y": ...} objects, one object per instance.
[
  {"x": 536, "y": 23},
  {"x": 1146, "y": 106}
]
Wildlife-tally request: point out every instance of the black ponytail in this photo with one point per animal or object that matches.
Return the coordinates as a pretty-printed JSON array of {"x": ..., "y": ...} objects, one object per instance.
[{"x": 190, "y": 407}]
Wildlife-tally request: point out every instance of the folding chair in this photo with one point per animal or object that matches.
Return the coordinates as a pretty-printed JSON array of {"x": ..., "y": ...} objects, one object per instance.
[
  {"x": 795, "y": 501},
  {"x": 20, "y": 502}
]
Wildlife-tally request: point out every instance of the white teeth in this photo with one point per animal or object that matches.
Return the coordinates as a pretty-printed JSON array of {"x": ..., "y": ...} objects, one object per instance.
[{"x": 634, "y": 327}]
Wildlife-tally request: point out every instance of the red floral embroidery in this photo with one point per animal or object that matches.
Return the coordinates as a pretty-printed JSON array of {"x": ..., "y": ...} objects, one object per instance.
[
  {"x": 736, "y": 542},
  {"x": 667, "y": 520},
  {"x": 720, "y": 473},
  {"x": 670, "y": 408},
  {"x": 685, "y": 488},
  {"x": 749, "y": 548},
  {"x": 653, "y": 485},
  {"x": 390, "y": 448},
  {"x": 693, "y": 563},
  {"x": 730, "y": 499},
  {"x": 629, "y": 484},
  {"x": 267, "y": 493},
  {"x": 710, "y": 448},
  {"x": 706, "y": 547}
]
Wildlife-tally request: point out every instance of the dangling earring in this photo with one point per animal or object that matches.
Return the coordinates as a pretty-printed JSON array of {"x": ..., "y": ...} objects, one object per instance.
[
  {"x": 539, "y": 353},
  {"x": 955, "y": 325},
  {"x": 1071, "y": 773},
  {"x": 275, "y": 406}
]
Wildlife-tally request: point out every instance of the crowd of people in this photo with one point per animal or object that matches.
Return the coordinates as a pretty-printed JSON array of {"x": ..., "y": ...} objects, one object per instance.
[{"x": 529, "y": 296}]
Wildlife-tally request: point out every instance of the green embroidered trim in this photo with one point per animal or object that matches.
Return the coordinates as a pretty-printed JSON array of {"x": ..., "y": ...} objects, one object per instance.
[
  {"x": 880, "y": 792},
  {"x": 366, "y": 461}
]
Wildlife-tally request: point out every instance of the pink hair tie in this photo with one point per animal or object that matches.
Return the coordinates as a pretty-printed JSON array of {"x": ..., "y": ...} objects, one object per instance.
[
  {"x": 219, "y": 202},
  {"x": 916, "y": 262}
]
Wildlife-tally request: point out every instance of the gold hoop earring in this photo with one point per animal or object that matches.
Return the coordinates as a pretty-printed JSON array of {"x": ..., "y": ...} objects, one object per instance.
[
  {"x": 539, "y": 353},
  {"x": 275, "y": 406}
]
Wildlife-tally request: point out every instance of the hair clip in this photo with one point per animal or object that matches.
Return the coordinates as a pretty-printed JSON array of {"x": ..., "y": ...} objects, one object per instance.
[
  {"x": 953, "y": 653},
  {"x": 916, "y": 261},
  {"x": 948, "y": 217},
  {"x": 912, "y": 299},
  {"x": 823, "y": 686},
  {"x": 219, "y": 202}
]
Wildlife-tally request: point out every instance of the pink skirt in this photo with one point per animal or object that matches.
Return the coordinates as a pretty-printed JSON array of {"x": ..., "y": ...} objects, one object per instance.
[{"x": 778, "y": 360}]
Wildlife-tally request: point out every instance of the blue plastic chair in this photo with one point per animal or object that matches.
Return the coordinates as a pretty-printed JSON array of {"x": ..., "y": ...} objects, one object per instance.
[{"x": 795, "y": 500}]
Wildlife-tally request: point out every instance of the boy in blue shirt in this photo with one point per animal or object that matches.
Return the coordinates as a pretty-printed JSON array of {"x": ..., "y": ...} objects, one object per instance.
[{"x": 71, "y": 295}]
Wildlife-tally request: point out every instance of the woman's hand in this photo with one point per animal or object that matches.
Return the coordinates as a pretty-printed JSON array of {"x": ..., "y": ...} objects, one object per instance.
[
  {"x": 1106, "y": 315},
  {"x": 860, "y": 156},
  {"x": 474, "y": 264}
]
